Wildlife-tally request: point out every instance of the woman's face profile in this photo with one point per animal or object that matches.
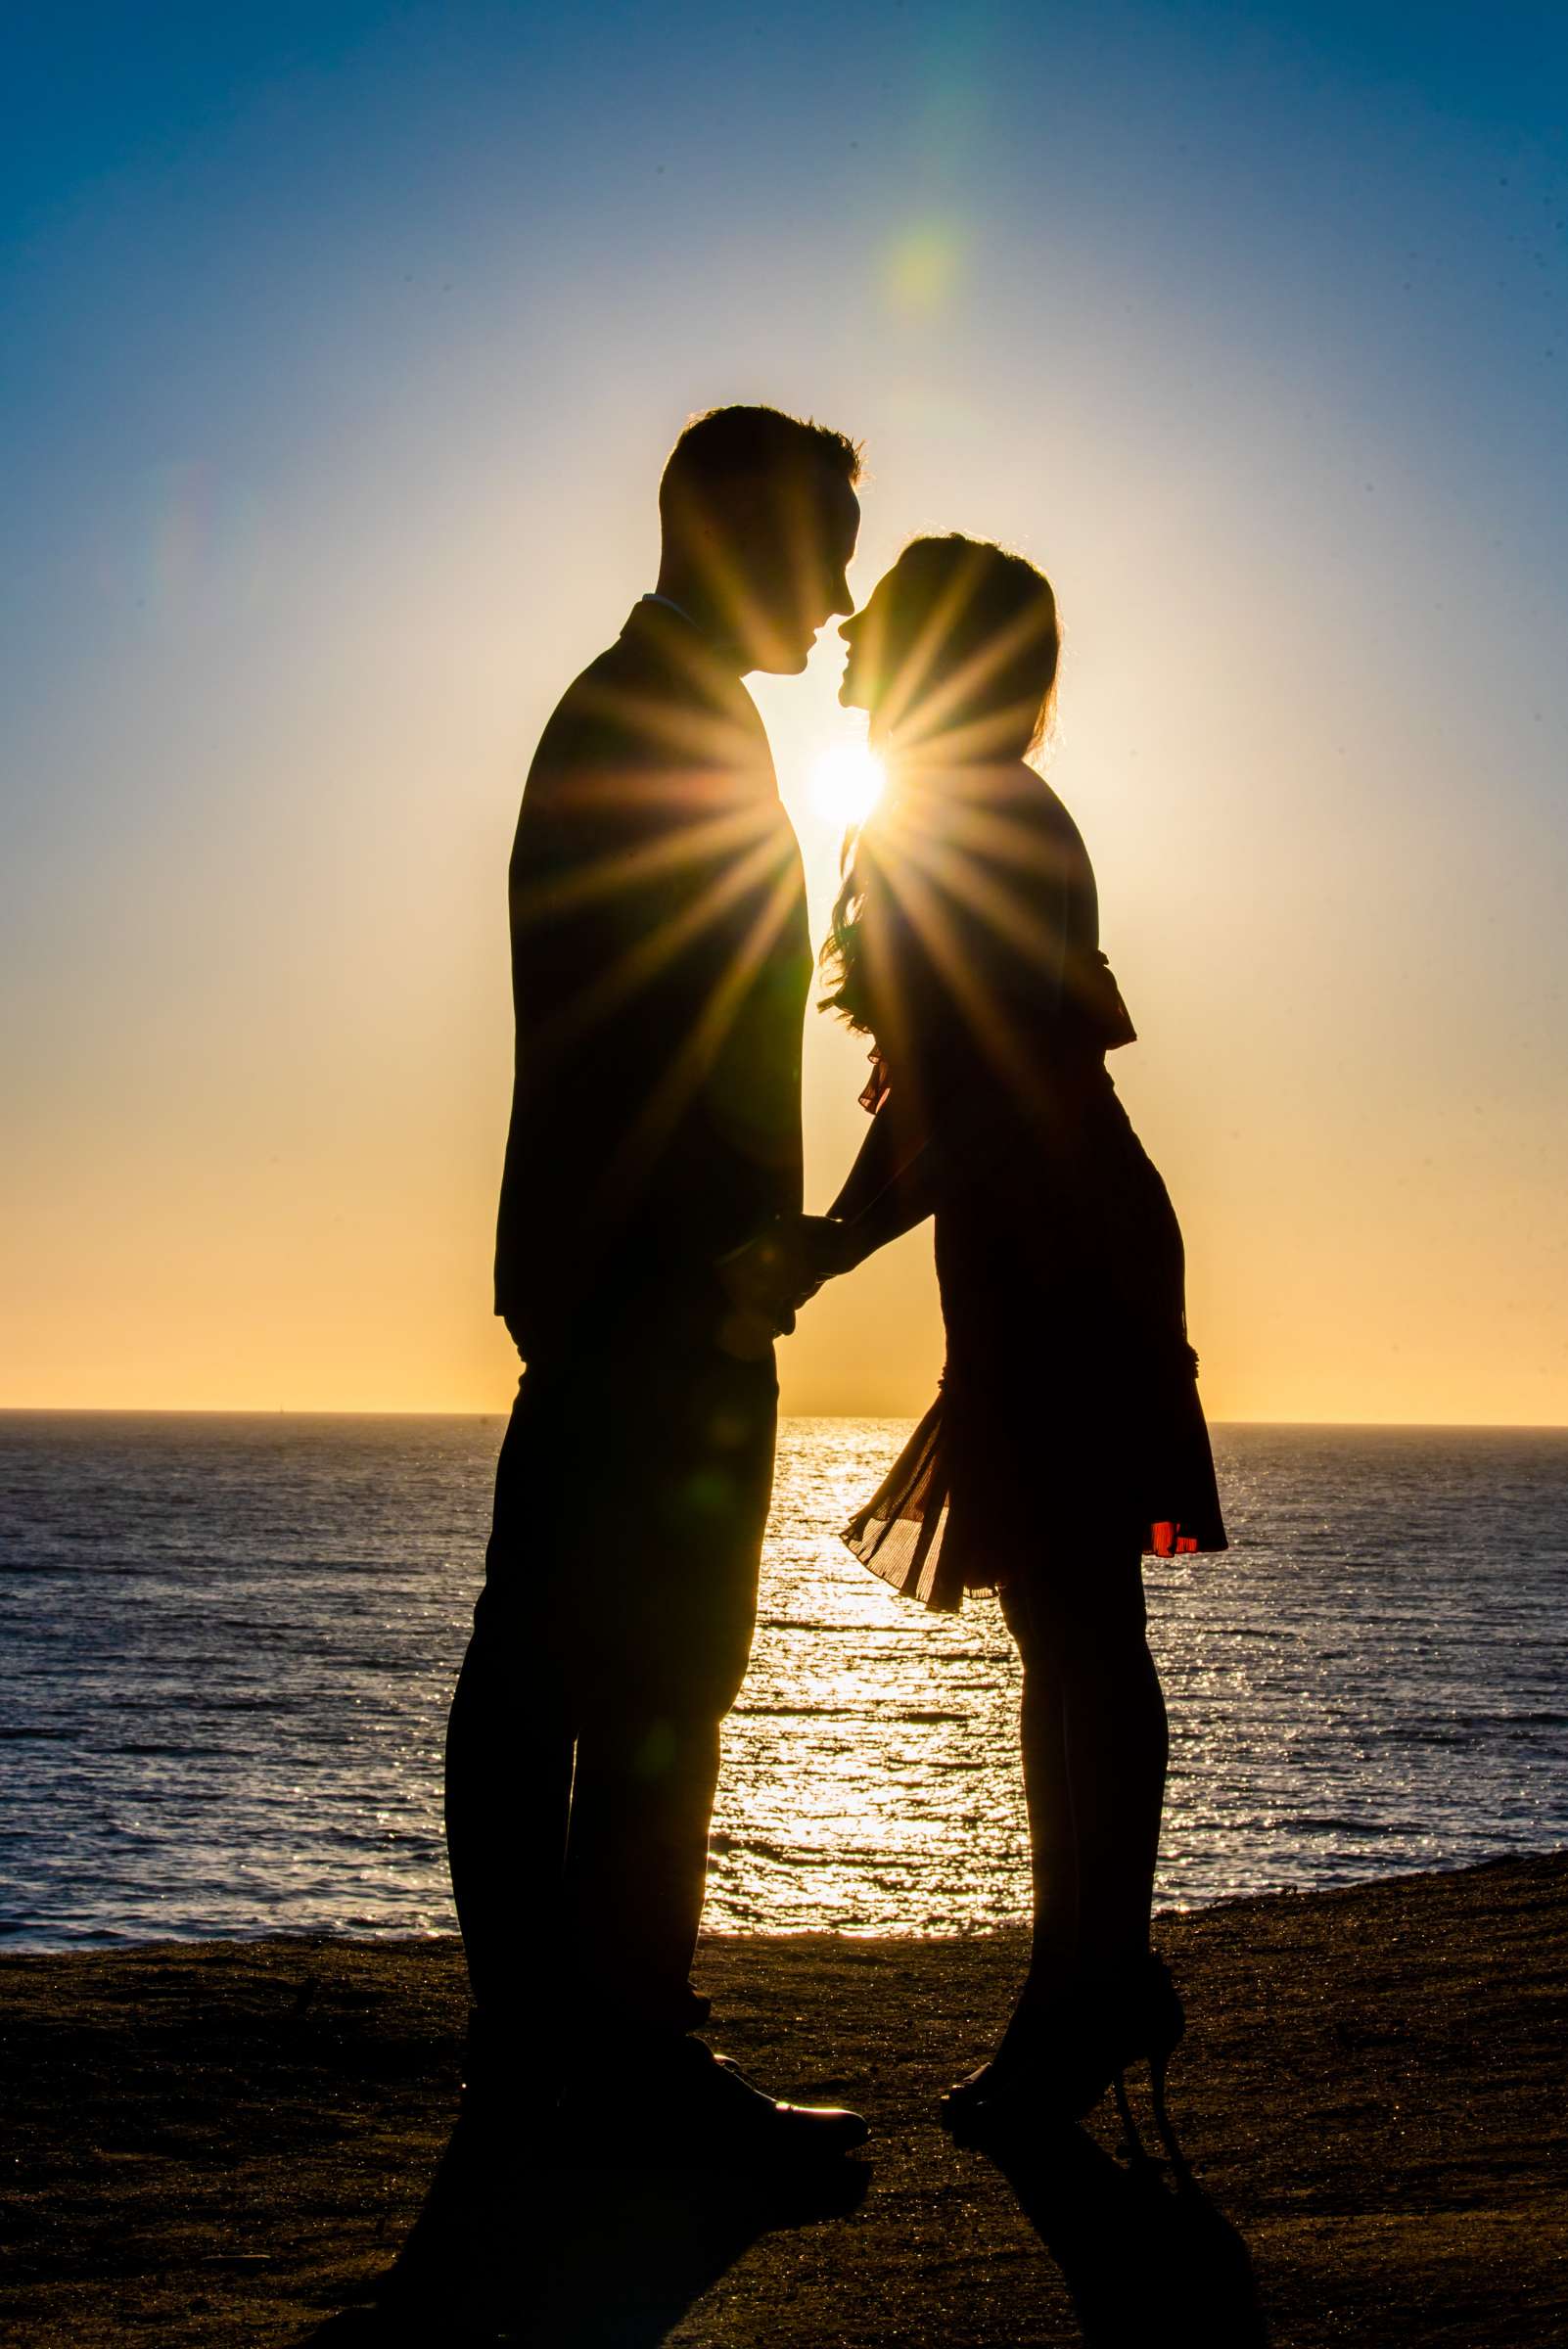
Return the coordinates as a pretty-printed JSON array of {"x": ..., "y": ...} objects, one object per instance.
[
  {"x": 879, "y": 637},
  {"x": 954, "y": 653}
]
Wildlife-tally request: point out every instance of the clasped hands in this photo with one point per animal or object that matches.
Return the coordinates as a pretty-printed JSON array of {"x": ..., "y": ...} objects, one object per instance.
[{"x": 773, "y": 1276}]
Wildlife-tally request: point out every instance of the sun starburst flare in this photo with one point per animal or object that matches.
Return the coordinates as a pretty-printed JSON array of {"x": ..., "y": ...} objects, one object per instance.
[{"x": 847, "y": 783}]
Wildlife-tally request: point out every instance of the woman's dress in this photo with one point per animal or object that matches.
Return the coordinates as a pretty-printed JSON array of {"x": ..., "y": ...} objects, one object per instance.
[{"x": 1067, "y": 1416}]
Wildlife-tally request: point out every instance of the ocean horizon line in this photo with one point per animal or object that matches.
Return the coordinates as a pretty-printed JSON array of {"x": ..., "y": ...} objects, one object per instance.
[{"x": 348, "y": 1412}]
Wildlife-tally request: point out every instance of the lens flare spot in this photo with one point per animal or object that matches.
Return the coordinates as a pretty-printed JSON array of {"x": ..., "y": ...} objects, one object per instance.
[
  {"x": 923, "y": 269},
  {"x": 847, "y": 783}
]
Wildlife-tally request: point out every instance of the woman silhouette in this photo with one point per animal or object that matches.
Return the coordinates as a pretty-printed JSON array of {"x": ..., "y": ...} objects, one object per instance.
[{"x": 1067, "y": 1438}]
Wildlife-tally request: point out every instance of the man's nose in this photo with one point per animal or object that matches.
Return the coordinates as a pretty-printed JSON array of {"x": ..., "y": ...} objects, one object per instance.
[{"x": 843, "y": 600}]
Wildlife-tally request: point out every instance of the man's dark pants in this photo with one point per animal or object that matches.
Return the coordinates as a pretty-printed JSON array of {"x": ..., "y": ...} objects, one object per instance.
[{"x": 610, "y": 1640}]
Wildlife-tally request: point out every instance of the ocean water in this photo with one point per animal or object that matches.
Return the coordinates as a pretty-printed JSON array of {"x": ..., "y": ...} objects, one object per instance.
[{"x": 227, "y": 1645}]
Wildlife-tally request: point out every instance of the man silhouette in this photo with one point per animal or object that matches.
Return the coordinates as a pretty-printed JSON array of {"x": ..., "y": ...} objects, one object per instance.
[{"x": 661, "y": 964}]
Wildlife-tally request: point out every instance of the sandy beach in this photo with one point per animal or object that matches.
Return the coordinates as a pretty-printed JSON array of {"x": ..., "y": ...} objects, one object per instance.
[{"x": 230, "y": 2142}]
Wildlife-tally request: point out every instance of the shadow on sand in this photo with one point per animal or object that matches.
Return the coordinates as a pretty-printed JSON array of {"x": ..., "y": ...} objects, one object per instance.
[
  {"x": 573, "y": 2256},
  {"x": 1143, "y": 2257}
]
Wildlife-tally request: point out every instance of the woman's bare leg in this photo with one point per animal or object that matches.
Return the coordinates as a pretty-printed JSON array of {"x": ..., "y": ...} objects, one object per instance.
[
  {"x": 1117, "y": 1744},
  {"x": 1052, "y": 1840},
  {"x": 1095, "y": 1745}
]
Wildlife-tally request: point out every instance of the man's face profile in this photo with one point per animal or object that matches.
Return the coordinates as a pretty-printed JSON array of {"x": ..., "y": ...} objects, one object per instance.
[{"x": 790, "y": 552}]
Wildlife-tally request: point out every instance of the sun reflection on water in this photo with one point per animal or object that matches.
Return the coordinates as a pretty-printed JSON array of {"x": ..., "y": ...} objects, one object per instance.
[{"x": 862, "y": 1780}]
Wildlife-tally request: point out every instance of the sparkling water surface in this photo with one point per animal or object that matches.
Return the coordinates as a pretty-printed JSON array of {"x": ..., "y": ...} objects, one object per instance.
[{"x": 228, "y": 1645}]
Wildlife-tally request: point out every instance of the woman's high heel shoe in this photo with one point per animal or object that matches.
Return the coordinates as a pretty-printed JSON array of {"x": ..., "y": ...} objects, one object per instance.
[
  {"x": 1073, "y": 2052},
  {"x": 1027, "y": 2034},
  {"x": 1125, "y": 2018}
]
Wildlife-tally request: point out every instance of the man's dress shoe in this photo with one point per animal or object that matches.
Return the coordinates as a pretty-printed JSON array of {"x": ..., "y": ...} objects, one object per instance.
[{"x": 685, "y": 2102}]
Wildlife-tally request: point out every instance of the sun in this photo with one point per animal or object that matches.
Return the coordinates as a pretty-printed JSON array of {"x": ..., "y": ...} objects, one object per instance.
[{"x": 847, "y": 783}]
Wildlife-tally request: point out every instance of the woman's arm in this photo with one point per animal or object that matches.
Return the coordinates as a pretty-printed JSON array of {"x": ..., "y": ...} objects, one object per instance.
[
  {"x": 896, "y": 1182},
  {"x": 904, "y": 1172},
  {"x": 875, "y": 1165},
  {"x": 889, "y": 1189},
  {"x": 887, "y": 1196}
]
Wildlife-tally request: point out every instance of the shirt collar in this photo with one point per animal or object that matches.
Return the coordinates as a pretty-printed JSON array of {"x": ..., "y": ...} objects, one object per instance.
[{"x": 654, "y": 597}]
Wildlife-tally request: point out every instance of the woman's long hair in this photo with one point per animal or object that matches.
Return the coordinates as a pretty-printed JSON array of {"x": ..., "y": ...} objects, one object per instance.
[{"x": 972, "y": 680}]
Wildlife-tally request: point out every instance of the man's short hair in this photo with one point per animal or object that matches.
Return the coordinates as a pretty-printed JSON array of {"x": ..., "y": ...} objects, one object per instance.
[{"x": 729, "y": 445}]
